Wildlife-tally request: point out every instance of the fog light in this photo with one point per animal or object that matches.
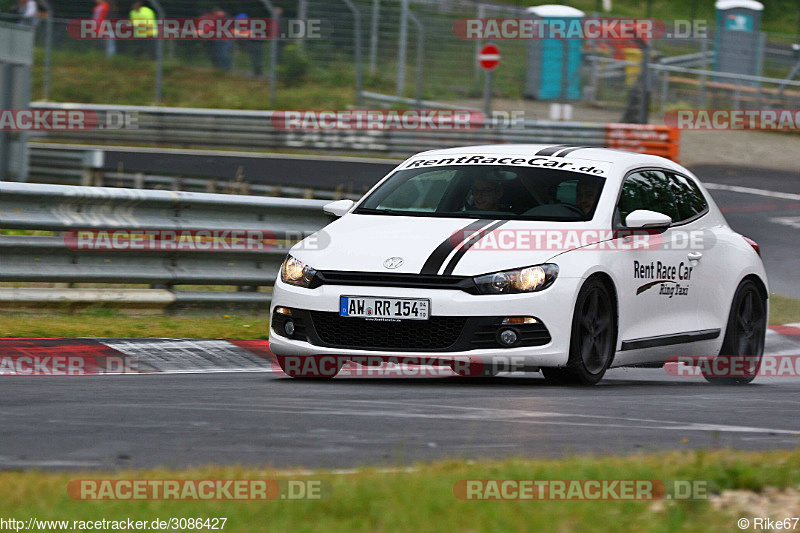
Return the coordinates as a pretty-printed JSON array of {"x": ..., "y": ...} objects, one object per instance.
[
  {"x": 289, "y": 328},
  {"x": 508, "y": 337},
  {"x": 520, "y": 320}
]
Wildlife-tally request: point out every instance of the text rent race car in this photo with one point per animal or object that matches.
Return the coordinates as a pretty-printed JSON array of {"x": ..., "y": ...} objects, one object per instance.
[{"x": 567, "y": 260}]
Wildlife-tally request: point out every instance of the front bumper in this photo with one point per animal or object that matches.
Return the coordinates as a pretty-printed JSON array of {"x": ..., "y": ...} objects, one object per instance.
[{"x": 553, "y": 307}]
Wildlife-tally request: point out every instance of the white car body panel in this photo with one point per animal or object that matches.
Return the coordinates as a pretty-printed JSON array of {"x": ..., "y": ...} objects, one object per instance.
[{"x": 362, "y": 242}]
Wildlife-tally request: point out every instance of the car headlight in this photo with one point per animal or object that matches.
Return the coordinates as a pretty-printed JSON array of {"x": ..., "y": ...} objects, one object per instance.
[
  {"x": 528, "y": 279},
  {"x": 295, "y": 272}
]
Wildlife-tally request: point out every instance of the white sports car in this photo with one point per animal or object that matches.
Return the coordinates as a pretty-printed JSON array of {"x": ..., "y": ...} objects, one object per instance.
[{"x": 568, "y": 260}]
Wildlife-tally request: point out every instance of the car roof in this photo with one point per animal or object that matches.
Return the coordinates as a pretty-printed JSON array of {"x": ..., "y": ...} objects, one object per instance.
[{"x": 622, "y": 158}]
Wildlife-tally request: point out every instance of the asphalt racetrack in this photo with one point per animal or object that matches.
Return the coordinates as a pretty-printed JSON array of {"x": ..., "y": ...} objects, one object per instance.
[{"x": 217, "y": 403}]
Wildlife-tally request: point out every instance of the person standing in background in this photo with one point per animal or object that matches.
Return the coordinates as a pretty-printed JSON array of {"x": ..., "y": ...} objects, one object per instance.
[
  {"x": 100, "y": 14},
  {"x": 222, "y": 47},
  {"x": 29, "y": 13},
  {"x": 253, "y": 47},
  {"x": 144, "y": 28}
]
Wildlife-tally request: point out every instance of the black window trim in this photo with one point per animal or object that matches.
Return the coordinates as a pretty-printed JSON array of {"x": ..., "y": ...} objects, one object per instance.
[{"x": 689, "y": 220}]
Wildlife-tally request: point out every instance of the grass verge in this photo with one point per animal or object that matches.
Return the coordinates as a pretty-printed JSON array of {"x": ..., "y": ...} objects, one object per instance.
[
  {"x": 783, "y": 310},
  {"x": 422, "y": 499}
]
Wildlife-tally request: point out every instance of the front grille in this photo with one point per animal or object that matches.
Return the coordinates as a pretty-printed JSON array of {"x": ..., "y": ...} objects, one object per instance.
[
  {"x": 437, "y": 333},
  {"x": 386, "y": 279}
]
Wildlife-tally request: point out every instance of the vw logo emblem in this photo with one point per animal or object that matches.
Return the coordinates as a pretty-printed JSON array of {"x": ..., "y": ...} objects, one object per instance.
[{"x": 393, "y": 262}]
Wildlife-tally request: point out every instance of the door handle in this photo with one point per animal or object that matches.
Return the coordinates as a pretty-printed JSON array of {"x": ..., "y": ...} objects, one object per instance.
[{"x": 695, "y": 256}]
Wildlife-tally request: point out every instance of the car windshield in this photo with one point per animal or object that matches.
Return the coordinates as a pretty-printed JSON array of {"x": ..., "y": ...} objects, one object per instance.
[{"x": 487, "y": 191}]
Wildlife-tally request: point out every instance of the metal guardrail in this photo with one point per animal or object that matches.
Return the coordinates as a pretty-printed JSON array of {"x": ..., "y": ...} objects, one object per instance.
[
  {"x": 61, "y": 208},
  {"x": 253, "y": 130},
  {"x": 66, "y": 165}
]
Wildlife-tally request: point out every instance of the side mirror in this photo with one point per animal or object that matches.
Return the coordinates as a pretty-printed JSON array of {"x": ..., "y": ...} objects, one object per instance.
[
  {"x": 338, "y": 208},
  {"x": 642, "y": 218}
]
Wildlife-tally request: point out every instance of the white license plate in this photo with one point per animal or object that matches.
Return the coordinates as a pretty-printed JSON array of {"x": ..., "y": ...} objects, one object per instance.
[{"x": 384, "y": 308}]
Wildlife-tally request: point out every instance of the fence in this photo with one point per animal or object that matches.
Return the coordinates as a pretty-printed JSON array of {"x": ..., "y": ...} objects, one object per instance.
[
  {"x": 58, "y": 208},
  {"x": 253, "y": 130},
  {"x": 403, "y": 48},
  {"x": 675, "y": 85}
]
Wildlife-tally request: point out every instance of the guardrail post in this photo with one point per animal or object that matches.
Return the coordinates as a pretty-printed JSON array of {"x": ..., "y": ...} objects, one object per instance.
[
  {"x": 247, "y": 288},
  {"x": 357, "y": 44},
  {"x": 93, "y": 163}
]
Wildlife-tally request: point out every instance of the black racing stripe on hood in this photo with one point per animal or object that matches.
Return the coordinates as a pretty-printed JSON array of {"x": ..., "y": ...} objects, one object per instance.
[
  {"x": 469, "y": 243},
  {"x": 550, "y": 150},
  {"x": 439, "y": 255}
]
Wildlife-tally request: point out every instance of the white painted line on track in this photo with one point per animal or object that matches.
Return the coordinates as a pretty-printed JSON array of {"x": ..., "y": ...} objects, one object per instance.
[{"x": 751, "y": 190}]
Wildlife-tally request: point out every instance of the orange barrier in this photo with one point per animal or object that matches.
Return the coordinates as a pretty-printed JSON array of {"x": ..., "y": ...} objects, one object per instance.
[{"x": 644, "y": 138}]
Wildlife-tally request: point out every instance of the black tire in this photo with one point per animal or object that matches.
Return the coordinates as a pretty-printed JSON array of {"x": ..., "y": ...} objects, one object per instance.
[
  {"x": 318, "y": 372},
  {"x": 744, "y": 333},
  {"x": 593, "y": 339}
]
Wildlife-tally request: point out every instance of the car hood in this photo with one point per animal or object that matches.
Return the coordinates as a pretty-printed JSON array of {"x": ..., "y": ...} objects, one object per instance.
[{"x": 361, "y": 243}]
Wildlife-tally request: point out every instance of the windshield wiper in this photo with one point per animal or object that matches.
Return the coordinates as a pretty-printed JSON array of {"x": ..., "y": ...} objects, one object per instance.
[{"x": 372, "y": 211}]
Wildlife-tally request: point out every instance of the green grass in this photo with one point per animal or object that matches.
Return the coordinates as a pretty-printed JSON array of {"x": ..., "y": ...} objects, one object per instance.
[
  {"x": 109, "y": 322},
  {"x": 90, "y": 77},
  {"x": 423, "y": 499},
  {"x": 783, "y": 310}
]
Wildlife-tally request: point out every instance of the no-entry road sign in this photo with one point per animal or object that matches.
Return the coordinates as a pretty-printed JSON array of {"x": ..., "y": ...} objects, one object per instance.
[{"x": 489, "y": 57}]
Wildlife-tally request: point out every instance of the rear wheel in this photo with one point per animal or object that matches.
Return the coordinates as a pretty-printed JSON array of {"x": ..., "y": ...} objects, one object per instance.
[
  {"x": 744, "y": 336},
  {"x": 593, "y": 338}
]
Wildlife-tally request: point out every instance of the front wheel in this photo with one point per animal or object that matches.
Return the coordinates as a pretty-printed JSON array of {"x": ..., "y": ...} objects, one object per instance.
[
  {"x": 744, "y": 335},
  {"x": 593, "y": 338}
]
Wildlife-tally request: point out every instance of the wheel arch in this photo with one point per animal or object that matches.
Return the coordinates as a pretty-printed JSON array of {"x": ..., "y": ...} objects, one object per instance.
[
  {"x": 606, "y": 279},
  {"x": 762, "y": 287}
]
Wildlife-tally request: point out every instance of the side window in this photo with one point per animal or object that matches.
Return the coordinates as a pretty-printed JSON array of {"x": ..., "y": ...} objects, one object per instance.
[
  {"x": 647, "y": 189},
  {"x": 688, "y": 198}
]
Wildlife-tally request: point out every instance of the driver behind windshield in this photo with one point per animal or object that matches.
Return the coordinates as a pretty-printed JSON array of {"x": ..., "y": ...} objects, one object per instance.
[
  {"x": 486, "y": 195},
  {"x": 586, "y": 195}
]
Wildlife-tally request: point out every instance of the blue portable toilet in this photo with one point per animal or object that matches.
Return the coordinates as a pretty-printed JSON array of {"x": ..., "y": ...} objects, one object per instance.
[
  {"x": 737, "y": 42},
  {"x": 550, "y": 61}
]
